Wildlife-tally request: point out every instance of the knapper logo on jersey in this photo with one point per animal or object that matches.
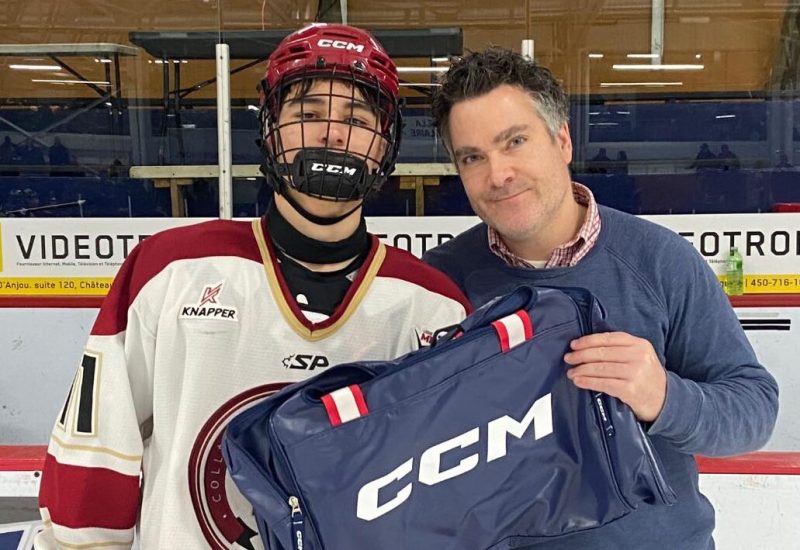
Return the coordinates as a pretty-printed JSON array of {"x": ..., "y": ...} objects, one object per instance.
[
  {"x": 224, "y": 516},
  {"x": 208, "y": 307}
]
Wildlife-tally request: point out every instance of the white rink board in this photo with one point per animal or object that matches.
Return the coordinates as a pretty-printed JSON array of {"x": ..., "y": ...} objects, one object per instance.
[
  {"x": 39, "y": 353},
  {"x": 754, "y": 512}
]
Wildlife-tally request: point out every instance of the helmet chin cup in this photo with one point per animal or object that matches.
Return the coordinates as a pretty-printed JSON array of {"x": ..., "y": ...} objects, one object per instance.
[{"x": 330, "y": 175}]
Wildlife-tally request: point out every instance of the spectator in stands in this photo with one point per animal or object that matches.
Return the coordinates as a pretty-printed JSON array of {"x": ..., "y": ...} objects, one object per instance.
[
  {"x": 621, "y": 163},
  {"x": 7, "y": 151},
  {"x": 705, "y": 159},
  {"x": 679, "y": 358},
  {"x": 727, "y": 158},
  {"x": 600, "y": 163},
  {"x": 32, "y": 155},
  {"x": 59, "y": 156},
  {"x": 783, "y": 161},
  {"x": 8, "y": 157},
  {"x": 116, "y": 169}
]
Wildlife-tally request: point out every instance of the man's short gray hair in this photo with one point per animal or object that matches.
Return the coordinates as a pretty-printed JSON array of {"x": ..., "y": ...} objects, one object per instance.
[{"x": 478, "y": 73}]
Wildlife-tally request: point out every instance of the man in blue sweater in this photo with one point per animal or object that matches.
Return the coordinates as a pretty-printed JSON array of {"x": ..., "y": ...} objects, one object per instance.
[{"x": 680, "y": 359}]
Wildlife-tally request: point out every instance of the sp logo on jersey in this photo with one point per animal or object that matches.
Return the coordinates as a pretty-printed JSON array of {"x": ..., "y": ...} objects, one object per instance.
[
  {"x": 304, "y": 361},
  {"x": 209, "y": 307}
]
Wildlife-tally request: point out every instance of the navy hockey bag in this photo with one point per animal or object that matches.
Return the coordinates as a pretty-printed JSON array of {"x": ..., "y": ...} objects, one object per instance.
[{"x": 478, "y": 442}]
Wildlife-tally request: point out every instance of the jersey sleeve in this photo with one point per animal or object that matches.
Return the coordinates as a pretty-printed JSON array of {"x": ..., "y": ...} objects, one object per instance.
[{"x": 90, "y": 489}]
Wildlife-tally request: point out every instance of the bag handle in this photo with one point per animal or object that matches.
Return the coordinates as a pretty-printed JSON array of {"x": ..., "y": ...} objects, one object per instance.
[
  {"x": 523, "y": 297},
  {"x": 334, "y": 378}
]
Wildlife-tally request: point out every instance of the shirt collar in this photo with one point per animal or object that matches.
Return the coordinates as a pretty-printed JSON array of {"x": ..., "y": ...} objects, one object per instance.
[{"x": 569, "y": 253}]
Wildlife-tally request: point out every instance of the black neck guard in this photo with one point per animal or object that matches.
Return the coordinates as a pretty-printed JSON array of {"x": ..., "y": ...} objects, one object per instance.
[{"x": 301, "y": 247}]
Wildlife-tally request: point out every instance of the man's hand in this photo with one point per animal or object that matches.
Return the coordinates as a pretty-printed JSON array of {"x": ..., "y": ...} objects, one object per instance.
[{"x": 623, "y": 366}]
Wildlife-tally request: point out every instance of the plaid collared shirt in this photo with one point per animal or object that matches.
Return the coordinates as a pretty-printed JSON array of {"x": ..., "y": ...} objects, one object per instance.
[{"x": 568, "y": 254}]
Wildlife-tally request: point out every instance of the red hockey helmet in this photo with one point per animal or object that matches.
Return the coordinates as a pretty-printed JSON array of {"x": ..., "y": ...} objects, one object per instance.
[
  {"x": 337, "y": 53},
  {"x": 325, "y": 48}
]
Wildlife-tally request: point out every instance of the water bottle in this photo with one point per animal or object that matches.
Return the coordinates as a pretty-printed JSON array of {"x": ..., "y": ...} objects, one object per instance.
[{"x": 734, "y": 280}]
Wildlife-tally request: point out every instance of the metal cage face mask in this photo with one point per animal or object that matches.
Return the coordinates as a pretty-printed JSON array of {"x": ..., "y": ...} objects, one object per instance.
[{"x": 332, "y": 135}]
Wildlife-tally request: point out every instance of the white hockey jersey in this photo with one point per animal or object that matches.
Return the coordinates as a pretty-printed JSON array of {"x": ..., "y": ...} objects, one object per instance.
[{"x": 197, "y": 327}]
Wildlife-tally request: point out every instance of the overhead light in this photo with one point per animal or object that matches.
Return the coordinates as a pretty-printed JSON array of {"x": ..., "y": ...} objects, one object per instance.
[
  {"x": 658, "y": 67},
  {"x": 55, "y": 81},
  {"x": 725, "y": 116},
  {"x": 642, "y": 56},
  {"x": 102, "y": 60},
  {"x": 596, "y": 56},
  {"x": 594, "y": 113},
  {"x": 250, "y": 179},
  {"x": 604, "y": 124},
  {"x": 440, "y": 59},
  {"x": 623, "y": 112},
  {"x": 645, "y": 84},
  {"x": 698, "y": 56},
  {"x": 422, "y": 69},
  {"x": 35, "y": 67},
  {"x": 252, "y": 108}
]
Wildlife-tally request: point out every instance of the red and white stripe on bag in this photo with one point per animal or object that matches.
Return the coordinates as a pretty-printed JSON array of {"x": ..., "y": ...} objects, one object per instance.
[
  {"x": 345, "y": 404},
  {"x": 513, "y": 329}
]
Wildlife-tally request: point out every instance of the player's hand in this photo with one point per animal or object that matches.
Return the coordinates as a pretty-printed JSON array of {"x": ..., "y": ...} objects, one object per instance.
[{"x": 621, "y": 365}]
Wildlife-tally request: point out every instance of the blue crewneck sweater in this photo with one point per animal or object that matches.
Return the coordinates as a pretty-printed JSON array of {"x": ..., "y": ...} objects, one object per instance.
[{"x": 655, "y": 285}]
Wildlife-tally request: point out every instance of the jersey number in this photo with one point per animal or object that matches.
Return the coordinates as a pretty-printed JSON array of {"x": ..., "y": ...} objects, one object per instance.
[{"x": 83, "y": 390}]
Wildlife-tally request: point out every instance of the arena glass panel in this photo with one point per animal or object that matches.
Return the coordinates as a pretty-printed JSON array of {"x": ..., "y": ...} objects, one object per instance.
[{"x": 70, "y": 136}]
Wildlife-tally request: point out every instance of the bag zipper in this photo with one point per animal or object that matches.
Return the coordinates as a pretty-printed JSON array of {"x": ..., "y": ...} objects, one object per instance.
[
  {"x": 598, "y": 398},
  {"x": 607, "y": 429},
  {"x": 297, "y": 513},
  {"x": 298, "y": 523}
]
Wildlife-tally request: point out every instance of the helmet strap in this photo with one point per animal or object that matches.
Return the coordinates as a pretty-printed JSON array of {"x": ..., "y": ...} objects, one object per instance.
[{"x": 313, "y": 218}]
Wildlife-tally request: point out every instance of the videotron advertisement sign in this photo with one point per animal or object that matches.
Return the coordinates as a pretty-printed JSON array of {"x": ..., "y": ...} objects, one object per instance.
[
  {"x": 69, "y": 256},
  {"x": 79, "y": 257}
]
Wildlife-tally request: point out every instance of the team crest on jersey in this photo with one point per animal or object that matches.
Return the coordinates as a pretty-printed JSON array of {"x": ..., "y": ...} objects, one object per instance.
[
  {"x": 424, "y": 337},
  {"x": 225, "y": 517},
  {"x": 209, "y": 307}
]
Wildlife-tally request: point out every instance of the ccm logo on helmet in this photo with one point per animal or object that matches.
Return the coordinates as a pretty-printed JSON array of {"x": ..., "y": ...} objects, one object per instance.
[
  {"x": 340, "y": 44},
  {"x": 430, "y": 470},
  {"x": 333, "y": 169}
]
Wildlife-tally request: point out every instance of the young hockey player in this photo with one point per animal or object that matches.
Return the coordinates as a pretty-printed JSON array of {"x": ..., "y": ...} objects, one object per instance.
[{"x": 203, "y": 321}]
